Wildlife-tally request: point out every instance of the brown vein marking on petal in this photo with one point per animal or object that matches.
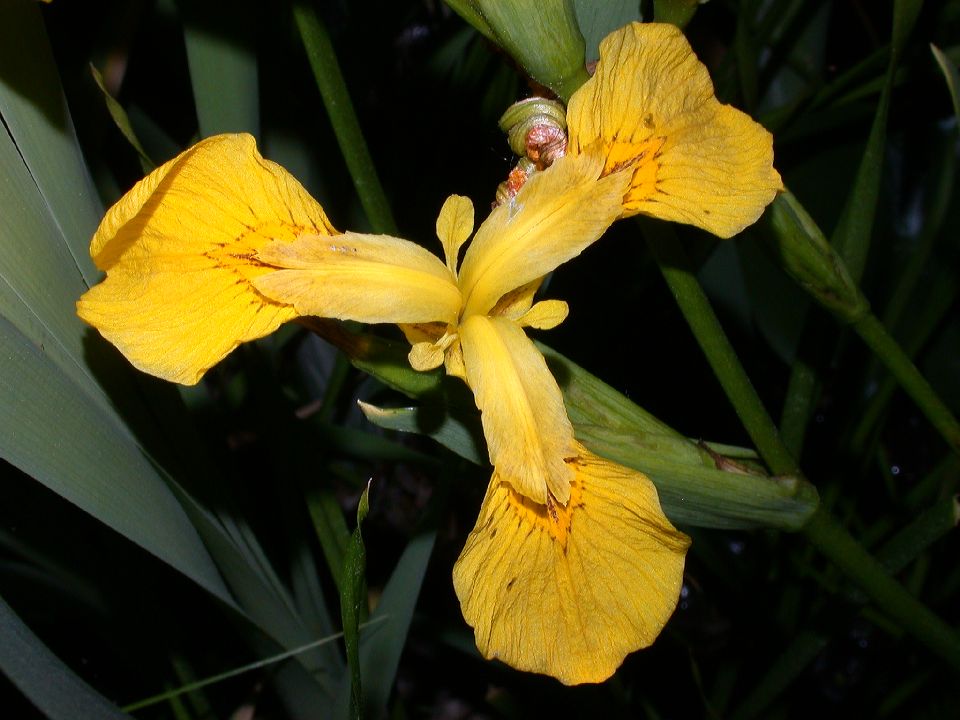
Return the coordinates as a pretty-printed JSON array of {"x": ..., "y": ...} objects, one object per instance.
[
  {"x": 553, "y": 518},
  {"x": 240, "y": 255},
  {"x": 642, "y": 155}
]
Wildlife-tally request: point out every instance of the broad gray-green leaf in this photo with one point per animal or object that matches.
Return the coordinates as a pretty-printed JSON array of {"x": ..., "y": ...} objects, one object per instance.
[
  {"x": 42, "y": 677},
  {"x": 35, "y": 112},
  {"x": 223, "y": 67},
  {"x": 72, "y": 444},
  {"x": 599, "y": 18}
]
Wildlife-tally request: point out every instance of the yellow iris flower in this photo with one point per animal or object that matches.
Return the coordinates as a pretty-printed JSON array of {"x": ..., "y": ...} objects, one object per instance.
[{"x": 572, "y": 563}]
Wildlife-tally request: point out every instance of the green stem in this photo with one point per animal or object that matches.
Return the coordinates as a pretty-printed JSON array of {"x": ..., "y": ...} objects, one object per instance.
[
  {"x": 802, "y": 391},
  {"x": 336, "y": 99},
  {"x": 940, "y": 296},
  {"x": 699, "y": 314},
  {"x": 828, "y": 536},
  {"x": 863, "y": 568},
  {"x": 875, "y": 335}
]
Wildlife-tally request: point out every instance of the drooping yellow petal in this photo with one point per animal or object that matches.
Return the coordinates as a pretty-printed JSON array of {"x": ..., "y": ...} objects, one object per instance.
[
  {"x": 454, "y": 225},
  {"x": 179, "y": 252},
  {"x": 691, "y": 159},
  {"x": 524, "y": 420},
  {"x": 570, "y": 591},
  {"x": 556, "y": 215},
  {"x": 368, "y": 278}
]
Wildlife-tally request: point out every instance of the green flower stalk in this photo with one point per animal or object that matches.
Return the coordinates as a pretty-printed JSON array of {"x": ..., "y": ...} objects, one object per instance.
[{"x": 807, "y": 256}]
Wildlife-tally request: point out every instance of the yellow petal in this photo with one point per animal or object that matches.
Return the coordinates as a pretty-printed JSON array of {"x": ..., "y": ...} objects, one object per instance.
[
  {"x": 179, "y": 251},
  {"x": 453, "y": 361},
  {"x": 570, "y": 591},
  {"x": 516, "y": 302},
  {"x": 423, "y": 332},
  {"x": 429, "y": 355},
  {"x": 545, "y": 315},
  {"x": 651, "y": 107},
  {"x": 454, "y": 225},
  {"x": 556, "y": 215},
  {"x": 425, "y": 356},
  {"x": 216, "y": 192},
  {"x": 368, "y": 278},
  {"x": 524, "y": 420}
]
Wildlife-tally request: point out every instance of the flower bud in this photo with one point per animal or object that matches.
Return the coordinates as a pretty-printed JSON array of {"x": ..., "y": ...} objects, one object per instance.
[
  {"x": 807, "y": 256},
  {"x": 536, "y": 128}
]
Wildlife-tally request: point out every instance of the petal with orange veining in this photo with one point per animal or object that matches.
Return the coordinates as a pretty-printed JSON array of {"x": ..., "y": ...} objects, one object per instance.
[
  {"x": 652, "y": 109},
  {"x": 180, "y": 249},
  {"x": 570, "y": 591}
]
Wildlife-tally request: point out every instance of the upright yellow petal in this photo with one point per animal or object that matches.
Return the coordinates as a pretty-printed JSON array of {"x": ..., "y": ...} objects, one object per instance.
[
  {"x": 368, "y": 278},
  {"x": 651, "y": 107},
  {"x": 179, "y": 251},
  {"x": 524, "y": 420},
  {"x": 454, "y": 225},
  {"x": 570, "y": 591},
  {"x": 556, "y": 215}
]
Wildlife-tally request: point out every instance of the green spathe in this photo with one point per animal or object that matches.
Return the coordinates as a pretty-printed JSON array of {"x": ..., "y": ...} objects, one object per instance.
[{"x": 541, "y": 35}]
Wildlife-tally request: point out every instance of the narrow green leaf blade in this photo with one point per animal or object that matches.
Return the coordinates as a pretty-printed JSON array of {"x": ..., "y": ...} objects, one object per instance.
[
  {"x": 937, "y": 521},
  {"x": 331, "y": 531},
  {"x": 951, "y": 75},
  {"x": 677, "y": 12},
  {"x": 122, "y": 122},
  {"x": 801, "y": 651},
  {"x": 382, "y": 643},
  {"x": 854, "y": 230},
  {"x": 352, "y": 596}
]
